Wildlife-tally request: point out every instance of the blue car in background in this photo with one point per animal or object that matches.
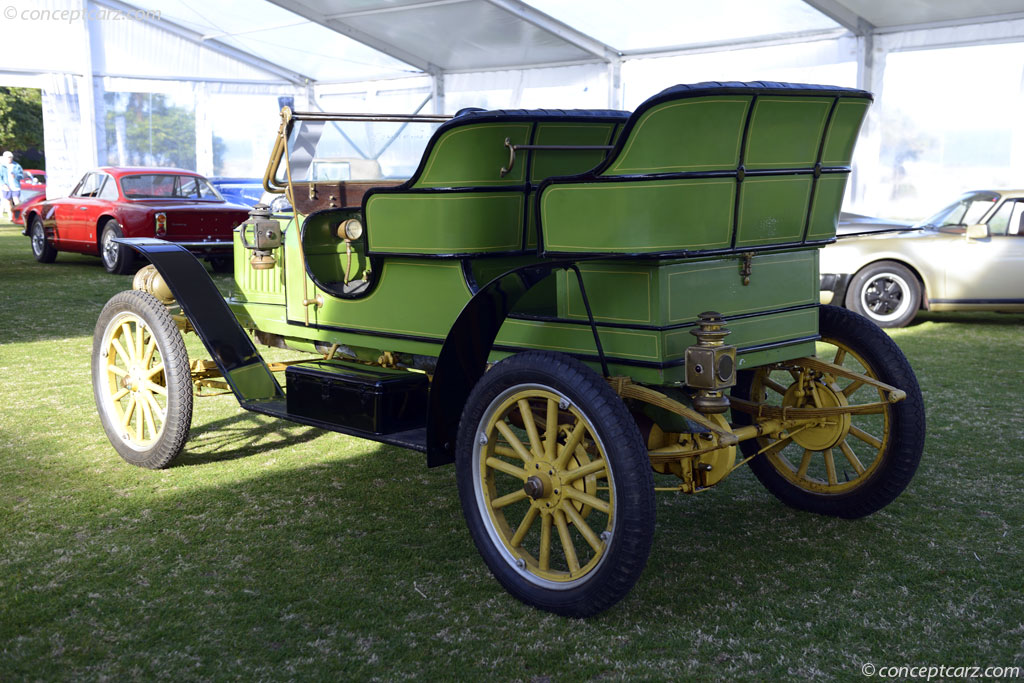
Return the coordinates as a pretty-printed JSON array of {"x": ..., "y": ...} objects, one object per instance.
[{"x": 247, "y": 191}]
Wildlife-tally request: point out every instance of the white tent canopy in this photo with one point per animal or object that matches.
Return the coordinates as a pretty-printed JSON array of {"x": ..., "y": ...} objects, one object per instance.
[{"x": 199, "y": 84}]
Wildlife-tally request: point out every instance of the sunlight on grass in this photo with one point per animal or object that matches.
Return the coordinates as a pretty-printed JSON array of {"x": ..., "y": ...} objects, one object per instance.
[{"x": 277, "y": 551}]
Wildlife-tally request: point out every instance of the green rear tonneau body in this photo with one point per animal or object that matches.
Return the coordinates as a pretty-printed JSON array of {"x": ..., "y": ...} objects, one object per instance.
[{"x": 712, "y": 197}]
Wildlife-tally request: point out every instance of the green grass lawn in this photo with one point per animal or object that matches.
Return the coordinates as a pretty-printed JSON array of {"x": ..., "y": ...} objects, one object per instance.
[{"x": 274, "y": 551}]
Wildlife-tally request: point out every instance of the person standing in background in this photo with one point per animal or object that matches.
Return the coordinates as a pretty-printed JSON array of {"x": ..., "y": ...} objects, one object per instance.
[{"x": 11, "y": 174}]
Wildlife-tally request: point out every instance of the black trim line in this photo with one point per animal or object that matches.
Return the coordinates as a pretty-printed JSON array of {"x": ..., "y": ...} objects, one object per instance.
[
  {"x": 533, "y": 317},
  {"x": 682, "y": 254},
  {"x": 655, "y": 365},
  {"x": 590, "y": 319},
  {"x": 741, "y": 173},
  {"x": 529, "y": 317},
  {"x": 369, "y": 333}
]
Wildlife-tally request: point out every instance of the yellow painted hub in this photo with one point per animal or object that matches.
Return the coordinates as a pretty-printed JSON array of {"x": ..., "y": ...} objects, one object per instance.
[
  {"x": 827, "y": 432},
  {"x": 830, "y": 455}
]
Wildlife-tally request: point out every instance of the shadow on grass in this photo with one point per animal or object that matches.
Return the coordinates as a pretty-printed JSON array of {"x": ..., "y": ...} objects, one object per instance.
[{"x": 241, "y": 436}]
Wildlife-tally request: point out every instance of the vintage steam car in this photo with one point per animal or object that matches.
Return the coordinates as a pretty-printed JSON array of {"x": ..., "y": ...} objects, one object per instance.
[{"x": 562, "y": 303}]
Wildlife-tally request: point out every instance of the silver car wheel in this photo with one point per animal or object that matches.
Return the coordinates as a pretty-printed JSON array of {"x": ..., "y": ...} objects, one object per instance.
[
  {"x": 110, "y": 250},
  {"x": 38, "y": 239},
  {"x": 885, "y": 297}
]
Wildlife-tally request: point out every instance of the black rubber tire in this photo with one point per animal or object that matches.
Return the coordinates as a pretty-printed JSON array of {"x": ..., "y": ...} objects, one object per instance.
[
  {"x": 900, "y": 455},
  {"x": 131, "y": 307},
  {"x": 42, "y": 250},
  {"x": 632, "y": 532},
  {"x": 222, "y": 264},
  {"x": 886, "y": 293},
  {"x": 117, "y": 258}
]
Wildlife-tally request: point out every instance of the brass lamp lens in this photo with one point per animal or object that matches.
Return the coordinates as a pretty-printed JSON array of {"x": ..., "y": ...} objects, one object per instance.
[{"x": 351, "y": 230}]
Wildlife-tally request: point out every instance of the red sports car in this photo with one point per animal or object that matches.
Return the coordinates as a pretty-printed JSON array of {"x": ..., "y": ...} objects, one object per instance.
[{"x": 109, "y": 202}]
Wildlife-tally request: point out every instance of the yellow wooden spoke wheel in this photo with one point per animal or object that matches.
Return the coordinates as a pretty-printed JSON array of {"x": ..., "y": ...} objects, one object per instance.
[
  {"x": 555, "y": 483},
  {"x": 141, "y": 379},
  {"x": 845, "y": 465}
]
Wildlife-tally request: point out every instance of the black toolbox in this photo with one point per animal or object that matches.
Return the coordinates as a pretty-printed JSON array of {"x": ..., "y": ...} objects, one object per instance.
[{"x": 361, "y": 397}]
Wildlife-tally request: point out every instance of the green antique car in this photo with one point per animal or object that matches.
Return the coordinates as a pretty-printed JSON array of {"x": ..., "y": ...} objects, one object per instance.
[{"x": 568, "y": 305}]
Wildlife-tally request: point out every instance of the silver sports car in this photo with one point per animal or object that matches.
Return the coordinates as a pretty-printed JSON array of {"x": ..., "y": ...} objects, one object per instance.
[{"x": 967, "y": 257}]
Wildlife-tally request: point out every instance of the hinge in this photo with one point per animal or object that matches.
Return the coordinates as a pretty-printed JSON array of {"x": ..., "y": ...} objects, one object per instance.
[{"x": 746, "y": 267}]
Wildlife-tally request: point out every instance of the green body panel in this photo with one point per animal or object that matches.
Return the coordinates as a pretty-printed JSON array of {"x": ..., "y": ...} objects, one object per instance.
[
  {"x": 772, "y": 210},
  {"x": 450, "y": 223},
  {"x": 676, "y": 292},
  {"x": 825, "y": 209},
  {"x": 638, "y": 217},
  {"x": 786, "y": 132},
  {"x": 262, "y": 286},
  {"x": 473, "y": 155},
  {"x": 842, "y": 134},
  {"x": 698, "y": 134}
]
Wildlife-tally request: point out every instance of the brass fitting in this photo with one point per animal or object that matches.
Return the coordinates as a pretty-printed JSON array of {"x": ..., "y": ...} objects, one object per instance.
[
  {"x": 266, "y": 237},
  {"x": 149, "y": 280},
  {"x": 710, "y": 364}
]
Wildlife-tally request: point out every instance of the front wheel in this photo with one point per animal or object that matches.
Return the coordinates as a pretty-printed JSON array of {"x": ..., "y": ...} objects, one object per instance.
[
  {"x": 886, "y": 293},
  {"x": 555, "y": 484},
  {"x": 141, "y": 379},
  {"x": 42, "y": 250},
  {"x": 846, "y": 466}
]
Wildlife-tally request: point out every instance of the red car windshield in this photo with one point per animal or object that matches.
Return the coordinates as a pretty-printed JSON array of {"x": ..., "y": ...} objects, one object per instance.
[{"x": 167, "y": 186}]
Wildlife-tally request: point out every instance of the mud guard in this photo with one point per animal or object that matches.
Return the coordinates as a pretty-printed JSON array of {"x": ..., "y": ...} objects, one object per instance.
[
  {"x": 463, "y": 357},
  {"x": 202, "y": 303}
]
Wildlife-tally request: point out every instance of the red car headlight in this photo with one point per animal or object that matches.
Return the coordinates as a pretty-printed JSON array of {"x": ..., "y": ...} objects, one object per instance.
[{"x": 161, "y": 224}]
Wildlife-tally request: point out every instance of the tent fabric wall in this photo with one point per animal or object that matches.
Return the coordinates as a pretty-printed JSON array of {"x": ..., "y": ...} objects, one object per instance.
[{"x": 116, "y": 81}]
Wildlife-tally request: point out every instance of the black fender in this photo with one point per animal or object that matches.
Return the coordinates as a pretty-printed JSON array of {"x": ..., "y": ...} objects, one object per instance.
[
  {"x": 463, "y": 357},
  {"x": 202, "y": 303}
]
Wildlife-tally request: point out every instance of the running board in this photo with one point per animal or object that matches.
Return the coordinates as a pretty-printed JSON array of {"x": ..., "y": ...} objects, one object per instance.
[{"x": 413, "y": 439}]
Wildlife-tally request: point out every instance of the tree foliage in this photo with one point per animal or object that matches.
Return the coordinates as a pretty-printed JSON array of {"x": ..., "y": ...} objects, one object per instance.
[
  {"x": 21, "y": 119},
  {"x": 149, "y": 130}
]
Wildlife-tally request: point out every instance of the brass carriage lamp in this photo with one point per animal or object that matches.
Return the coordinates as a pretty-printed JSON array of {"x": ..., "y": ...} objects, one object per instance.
[
  {"x": 710, "y": 363},
  {"x": 266, "y": 237}
]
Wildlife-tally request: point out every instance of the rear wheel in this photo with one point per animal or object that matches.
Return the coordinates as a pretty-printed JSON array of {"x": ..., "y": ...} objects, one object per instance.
[
  {"x": 849, "y": 466},
  {"x": 886, "y": 293},
  {"x": 141, "y": 379},
  {"x": 555, "y": 484},
  {"x": 42, "y": 250},
  {"x": 117, "y": 258}
]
